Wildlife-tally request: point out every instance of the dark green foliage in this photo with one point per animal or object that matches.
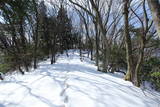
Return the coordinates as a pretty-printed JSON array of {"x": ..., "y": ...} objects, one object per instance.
[
  {"x": 28, "y": 34},
  {"x": 13, "y": 38},
  {"x": 64, "y": 29},
  {"x": 117, "y": 58},
  {"x": 155, "y": 78},
  {"x": 151, "y": 72},
  {"x": 5, "y": 68},
  {"x": 6, "y": 63}
]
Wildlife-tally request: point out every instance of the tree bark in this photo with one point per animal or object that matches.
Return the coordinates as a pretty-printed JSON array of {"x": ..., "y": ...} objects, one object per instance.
[
  {"x": 139, "y": 65},
  {"x": 97, "y": 46},
  {"x": 103, "y": 33},
  {"x": 155, "y": 10},
  {"x": 36, "y": 35},
  {"x": 145, "y": 29},
  {"x": 129, "y": 57},
  {"x": 53, "y": 50}
]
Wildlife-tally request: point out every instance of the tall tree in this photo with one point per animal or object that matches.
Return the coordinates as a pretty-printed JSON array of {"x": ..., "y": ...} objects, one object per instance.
[
  {"x": 16, "y": 15},
  {"x": 129, "y": 54},
  {"x": 155, "y": 10},
  {"x": 36, "y": 35},
  {"x": 85, "y": 19},
  {"x": 94, "y": 9},
  {"x": 43, "y": 28},
  {"x": 64, "y": 29}
]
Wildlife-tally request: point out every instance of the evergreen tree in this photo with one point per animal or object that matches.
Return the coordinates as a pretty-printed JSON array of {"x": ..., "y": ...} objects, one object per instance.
[
  {"x": 64, "y": 29},
  {"x": 43, "y": 30}
]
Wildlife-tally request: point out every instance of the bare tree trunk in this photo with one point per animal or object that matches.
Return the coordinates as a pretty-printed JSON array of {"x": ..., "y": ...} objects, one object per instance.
[
  {"x": 129, "y": 57},
  {"x": 35, "y": 50},
  {"x": 97, "y": 46},
  {"x": 138, "y": 66},
  {"x": 23, "y": 44},
  {"x": 52, "y": 57},
  {"x": 155, "y": 10},
  {"x": 36, "y": 36},
  {"x": 91, "y": 51},
  {"x": 145, "y": 29},
  {"x": 80, "y": 48},
  {"x": 103, "y": 33},
  {"x": 21, "y": 71},
  {"x": 105, "y": 58},
  {"x": 53, "y": 50}
]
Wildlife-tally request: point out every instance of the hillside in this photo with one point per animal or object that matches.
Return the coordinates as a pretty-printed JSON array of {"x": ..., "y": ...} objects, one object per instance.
[{"x": 72, "y": 83}]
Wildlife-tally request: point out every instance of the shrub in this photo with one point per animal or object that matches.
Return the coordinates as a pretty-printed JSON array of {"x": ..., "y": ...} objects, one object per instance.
[
  {"x": 151, "y": 72},
  {"x": 4, "y": 68},
  {"x": 155, "y": 78}
]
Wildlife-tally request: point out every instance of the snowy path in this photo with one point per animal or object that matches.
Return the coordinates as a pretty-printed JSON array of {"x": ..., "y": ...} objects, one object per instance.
[{"x": 72, "y": 83}]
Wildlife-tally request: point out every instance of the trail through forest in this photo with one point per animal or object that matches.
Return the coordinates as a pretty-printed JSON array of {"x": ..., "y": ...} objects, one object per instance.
[{"x": 72, "y": 82}]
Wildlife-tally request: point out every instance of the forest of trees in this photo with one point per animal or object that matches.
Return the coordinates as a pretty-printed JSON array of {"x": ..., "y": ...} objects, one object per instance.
[{"x": 119, "y": 35}]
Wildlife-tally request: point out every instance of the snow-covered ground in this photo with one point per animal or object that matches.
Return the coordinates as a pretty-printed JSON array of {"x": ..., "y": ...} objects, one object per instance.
[{"x": 72, "y": 83}]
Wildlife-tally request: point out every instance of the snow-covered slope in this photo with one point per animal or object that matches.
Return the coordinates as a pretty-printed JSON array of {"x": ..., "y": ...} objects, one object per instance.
[{"x": 72, "y": 83}]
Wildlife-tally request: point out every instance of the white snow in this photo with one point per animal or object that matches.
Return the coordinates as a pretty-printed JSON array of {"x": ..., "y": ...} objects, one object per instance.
[{"x": 72, "y": 83}]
